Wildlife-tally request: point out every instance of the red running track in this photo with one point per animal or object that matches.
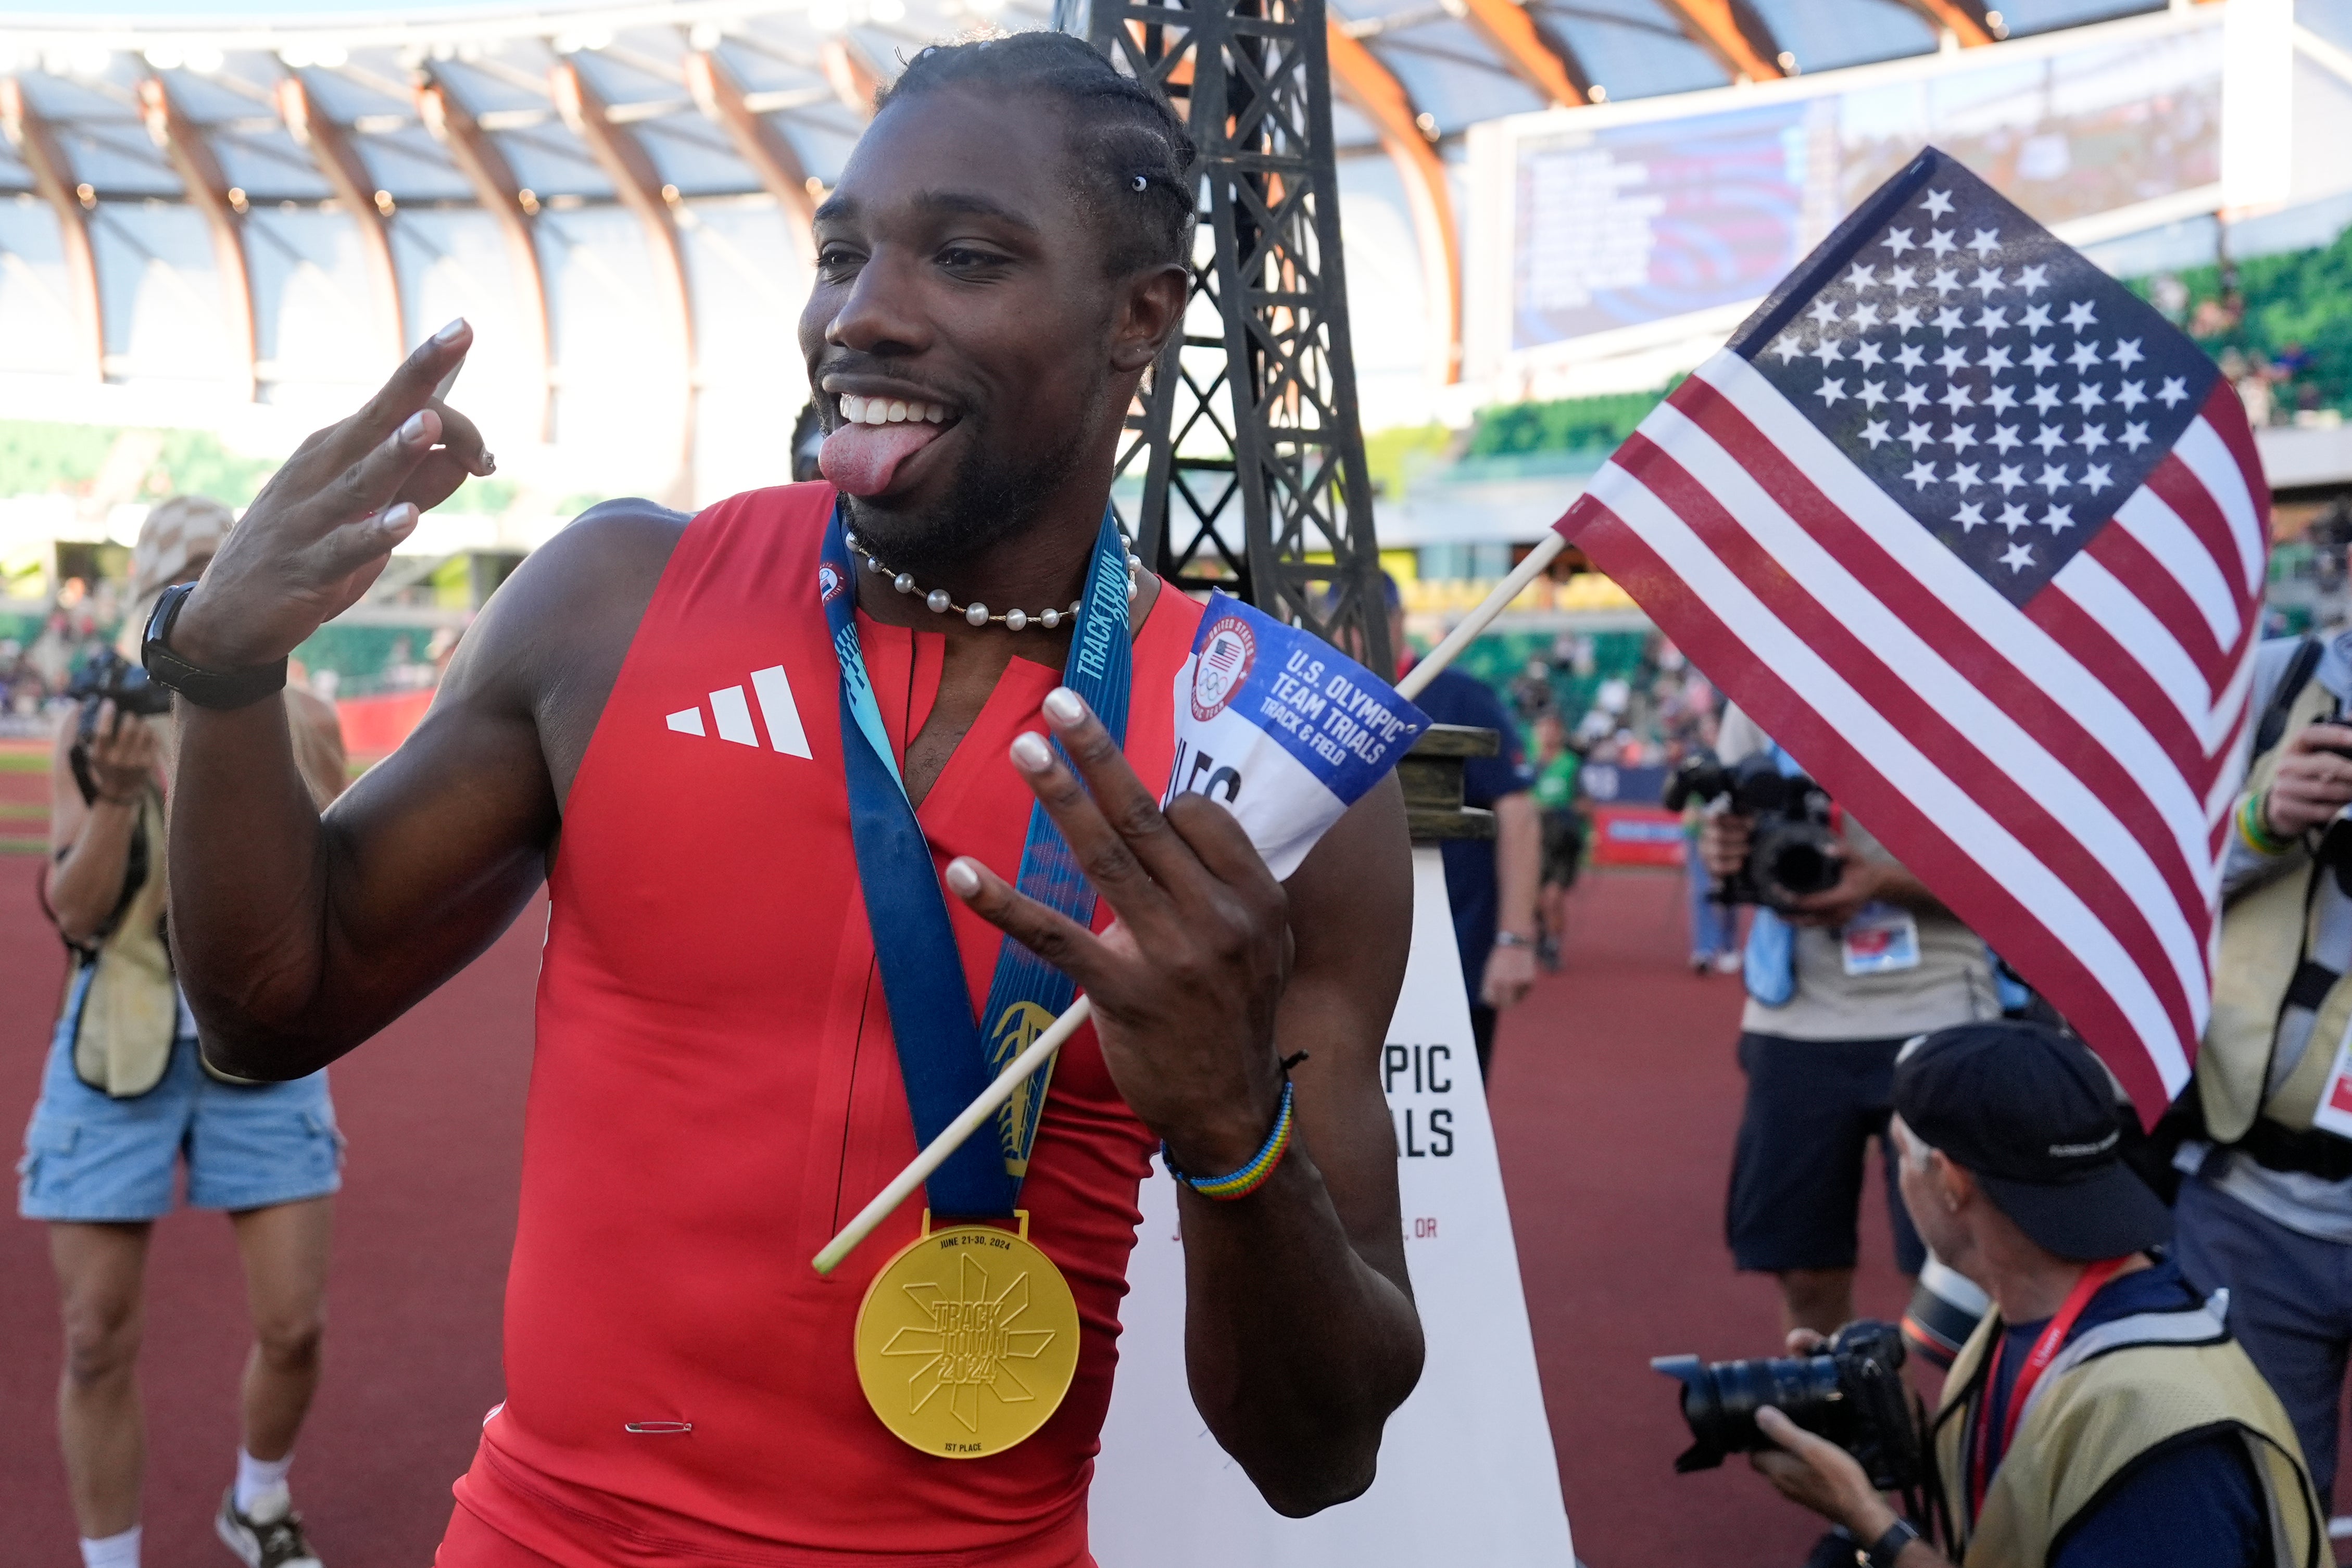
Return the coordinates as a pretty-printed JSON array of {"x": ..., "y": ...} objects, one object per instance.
[{"x": 1615, "y": 1099}]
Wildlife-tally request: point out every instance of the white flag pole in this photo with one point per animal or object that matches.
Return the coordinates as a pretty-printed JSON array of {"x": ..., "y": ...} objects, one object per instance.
[
  {"x": 1041, "y": 1050},
  {"x": 1478, "y": 619},
  {"x": 951, "y": 1137}
]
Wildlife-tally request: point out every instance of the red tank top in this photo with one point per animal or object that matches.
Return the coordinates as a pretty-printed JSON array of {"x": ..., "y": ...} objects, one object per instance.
[{"x": 716, "y": 1090}]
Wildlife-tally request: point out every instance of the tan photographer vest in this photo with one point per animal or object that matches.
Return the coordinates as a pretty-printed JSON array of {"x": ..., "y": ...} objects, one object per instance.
[
  {"x": 122, "y": 996},
  {"x": 129, "y": 1004},
  {"x": 2265, "y": 934},
  {"x": 2115, "y": 1395}
]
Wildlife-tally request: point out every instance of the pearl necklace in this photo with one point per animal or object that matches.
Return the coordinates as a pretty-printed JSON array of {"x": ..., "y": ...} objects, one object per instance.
[{"x": 976, "y": 614}]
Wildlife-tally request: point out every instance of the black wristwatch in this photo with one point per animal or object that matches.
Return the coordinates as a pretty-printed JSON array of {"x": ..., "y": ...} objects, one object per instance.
[
  {"x": 1882, "y": 1552},
  {"x": 205, "y": 688}
]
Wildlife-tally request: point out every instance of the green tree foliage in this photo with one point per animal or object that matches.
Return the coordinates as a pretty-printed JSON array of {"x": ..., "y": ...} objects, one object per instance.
[
  {"x": 194, "y": 463},
  {"x": 2300, "y": 300},
  {"x": 1570, "y": 424},
  {"x": 39, "y": 458},
  {"x": 1391, "y": 457}
]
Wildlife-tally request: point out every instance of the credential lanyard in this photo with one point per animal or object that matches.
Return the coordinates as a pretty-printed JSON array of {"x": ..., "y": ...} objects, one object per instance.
[
  {"x": 2046, "y": 1346},
  {"x": 943, "y": 1057}
]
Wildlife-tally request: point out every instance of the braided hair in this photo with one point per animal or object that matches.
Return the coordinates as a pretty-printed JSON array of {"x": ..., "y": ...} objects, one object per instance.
[{"x": 1133, "y": 157}]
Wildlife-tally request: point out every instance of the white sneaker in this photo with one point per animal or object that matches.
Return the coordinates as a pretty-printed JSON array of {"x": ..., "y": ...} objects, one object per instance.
[{"x": 270, "y": 1536}]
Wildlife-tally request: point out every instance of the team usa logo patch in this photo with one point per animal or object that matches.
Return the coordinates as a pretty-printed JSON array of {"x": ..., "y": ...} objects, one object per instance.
[
  {"x": 828, "y": 583},
  {"x": 1227, "y": 654}
]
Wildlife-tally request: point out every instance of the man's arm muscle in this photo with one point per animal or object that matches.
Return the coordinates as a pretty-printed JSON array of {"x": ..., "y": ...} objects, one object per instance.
[
  {"x": 1300, "y": 1336},
  {"x": 300, "y": 935}
]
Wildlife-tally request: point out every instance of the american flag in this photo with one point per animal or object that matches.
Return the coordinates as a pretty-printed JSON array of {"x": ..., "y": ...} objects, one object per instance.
[{"x": 1981, "y": 538}]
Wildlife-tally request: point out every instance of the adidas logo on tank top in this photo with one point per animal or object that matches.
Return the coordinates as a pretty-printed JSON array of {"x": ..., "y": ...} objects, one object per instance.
[{"x": 732, "y": 714}]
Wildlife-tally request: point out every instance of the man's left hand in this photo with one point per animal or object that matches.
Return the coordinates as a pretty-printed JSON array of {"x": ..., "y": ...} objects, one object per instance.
[
  {"x": 1818, "y": 1474},
  {"x": 1185, "y": 982},
  {"x": 1510, "y": 972}
]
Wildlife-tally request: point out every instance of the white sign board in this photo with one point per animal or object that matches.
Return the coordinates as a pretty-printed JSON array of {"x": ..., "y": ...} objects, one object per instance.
[{"x": 1467, "y": 1468}]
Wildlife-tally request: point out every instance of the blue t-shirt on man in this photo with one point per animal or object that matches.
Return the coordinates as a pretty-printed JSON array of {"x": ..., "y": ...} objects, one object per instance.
[
  {"x": 2196, "y": 1504},
  {"x": 1470, "y": 882}
]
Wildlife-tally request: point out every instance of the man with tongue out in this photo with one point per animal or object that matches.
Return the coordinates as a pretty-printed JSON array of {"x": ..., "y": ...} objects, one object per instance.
[{"x": 724, "y": 1072}]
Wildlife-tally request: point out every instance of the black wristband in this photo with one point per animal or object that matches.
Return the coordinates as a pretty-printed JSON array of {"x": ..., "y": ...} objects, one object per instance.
[
  {"x": 1884, "y": 1551},
  {"x": 205, "y": 688}
]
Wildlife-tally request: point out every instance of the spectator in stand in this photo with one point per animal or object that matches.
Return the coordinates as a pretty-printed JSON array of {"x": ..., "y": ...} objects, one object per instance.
[{"x": 1491, "y": 886}]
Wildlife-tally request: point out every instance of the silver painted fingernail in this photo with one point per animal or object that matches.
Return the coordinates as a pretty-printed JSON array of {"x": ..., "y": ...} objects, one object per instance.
[
  {"x": 449, "y": 334},
  {"x": 1063, "y": 705},
  {"x": 1030, "y": 752},
  {"x": 400, "y": 514},
  {"x": 413, "y": 426},
  {"x": 962, "y": 880}
]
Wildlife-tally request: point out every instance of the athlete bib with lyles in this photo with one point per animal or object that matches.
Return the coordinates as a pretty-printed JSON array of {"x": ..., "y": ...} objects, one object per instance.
[{"x": 967, "y": 1338}]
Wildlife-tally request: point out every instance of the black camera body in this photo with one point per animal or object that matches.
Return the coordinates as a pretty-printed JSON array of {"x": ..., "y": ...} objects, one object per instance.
[
  {"x": 110, "y": 677},
  {"x": 1793, "y": 850},
  {"x": 1852, "y": 1394}
]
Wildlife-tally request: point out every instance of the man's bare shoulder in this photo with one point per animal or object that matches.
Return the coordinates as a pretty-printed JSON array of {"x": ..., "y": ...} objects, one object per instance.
[{"x": 578, "y": 596}]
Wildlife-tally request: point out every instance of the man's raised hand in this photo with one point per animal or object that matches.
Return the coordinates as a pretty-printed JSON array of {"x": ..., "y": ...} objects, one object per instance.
[
  {"x": 323, "y": 527},
  {"x": 2313, "y": 780},
  {"x": 1185, "y": 982}
]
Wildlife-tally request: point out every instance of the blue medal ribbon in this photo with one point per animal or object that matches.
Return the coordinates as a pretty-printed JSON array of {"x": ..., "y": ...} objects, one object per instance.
[{"x": 944, "y": 1057}]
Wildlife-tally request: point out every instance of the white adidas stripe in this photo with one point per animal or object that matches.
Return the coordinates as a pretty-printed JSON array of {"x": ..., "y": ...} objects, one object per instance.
[
  {"x": 780, "y": 712},
  {"x": 733, "y": 712}
]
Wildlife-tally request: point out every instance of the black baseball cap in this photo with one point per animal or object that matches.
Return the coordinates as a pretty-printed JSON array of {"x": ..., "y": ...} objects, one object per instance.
[{"x": 2030, "y": 1113}]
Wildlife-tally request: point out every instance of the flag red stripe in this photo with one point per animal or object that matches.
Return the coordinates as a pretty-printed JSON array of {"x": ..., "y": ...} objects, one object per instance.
[
  {"x": 2114, "y": 547},
  {"x": 1972, "y": 893},
  {"x": 2094, "y": 648},
  {"x": 1963, "y": 645},
  {"x": 2173, "y": 483},
  {"x": 1925, "y": 727},
  {"x": 2238, "y": 728},
  {"x": 2225, "y": 414}
]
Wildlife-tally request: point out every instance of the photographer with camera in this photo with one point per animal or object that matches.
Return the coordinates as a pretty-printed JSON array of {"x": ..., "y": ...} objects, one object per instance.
[
  {"x": 2266, "y": 1209},
  {"x": 126, "y": 1097},
  {"x": 2100, "y": 1416},
  {"x": 1848, "y": 955}
]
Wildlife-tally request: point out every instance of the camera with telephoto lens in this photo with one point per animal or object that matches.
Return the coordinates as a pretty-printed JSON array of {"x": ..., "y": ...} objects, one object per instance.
[
  {"x": 110, "y": 677},
  {"x": 1793, "y": 851},
  {"x": 1852, "y": 1394}
]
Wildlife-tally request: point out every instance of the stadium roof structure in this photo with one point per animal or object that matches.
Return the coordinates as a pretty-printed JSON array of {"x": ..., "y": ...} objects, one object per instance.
[{"x": 346, "y": 181}]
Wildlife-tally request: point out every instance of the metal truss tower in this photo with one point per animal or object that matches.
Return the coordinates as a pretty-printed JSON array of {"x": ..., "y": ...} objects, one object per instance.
[{"x": 1246, "y": 431}]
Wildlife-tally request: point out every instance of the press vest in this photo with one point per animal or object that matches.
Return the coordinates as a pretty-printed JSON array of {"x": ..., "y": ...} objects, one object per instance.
[
  {"x": 716, "y": 1092},
  {"x": 2266, "y": 935},
  {"x": 2114, "y": 1396}
]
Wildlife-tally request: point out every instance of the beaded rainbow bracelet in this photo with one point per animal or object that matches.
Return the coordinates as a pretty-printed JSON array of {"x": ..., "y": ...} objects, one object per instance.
[
  {"x": 2256, "y": 832},
  {"x": 1251, "y": 1176}
]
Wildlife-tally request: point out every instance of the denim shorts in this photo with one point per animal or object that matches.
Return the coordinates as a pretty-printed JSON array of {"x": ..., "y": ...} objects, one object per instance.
[{"x": 95, "y": 1159}]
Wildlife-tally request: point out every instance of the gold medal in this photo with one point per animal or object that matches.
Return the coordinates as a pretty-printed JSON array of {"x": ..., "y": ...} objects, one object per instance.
[{"x": 967, "y": 1340}]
